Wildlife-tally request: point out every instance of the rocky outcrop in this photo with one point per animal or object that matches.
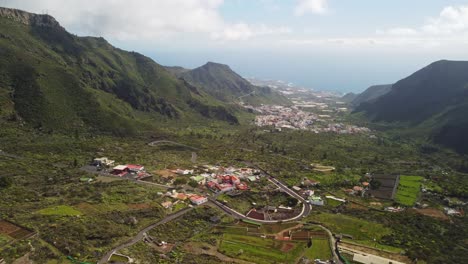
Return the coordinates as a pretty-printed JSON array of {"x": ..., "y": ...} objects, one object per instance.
[{"x": 29, "y": 18}]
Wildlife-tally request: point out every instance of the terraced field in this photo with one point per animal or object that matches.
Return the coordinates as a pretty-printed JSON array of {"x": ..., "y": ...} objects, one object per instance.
[
  {"x": 260, "y": 250},
  {"x": 408, "y": 190}
]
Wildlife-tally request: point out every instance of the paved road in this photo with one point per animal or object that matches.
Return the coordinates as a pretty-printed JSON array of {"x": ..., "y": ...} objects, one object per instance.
[
  {"x": 306, "y": 207},
  {"x": 142, "y": 233},
  {"x": 238, "y": 215},
  {"x": 333, "y": 245}
]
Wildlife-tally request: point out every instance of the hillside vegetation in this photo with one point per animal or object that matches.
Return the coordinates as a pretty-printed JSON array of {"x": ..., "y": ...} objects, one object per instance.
[
  {"x": 53, "y": 80},
  {"x": 434, "y": 100},
  {"x": 224, "y": 84}
]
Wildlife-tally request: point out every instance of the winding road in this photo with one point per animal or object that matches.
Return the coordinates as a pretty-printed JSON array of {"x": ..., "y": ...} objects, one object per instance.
[{"x": 142, "y": 233}]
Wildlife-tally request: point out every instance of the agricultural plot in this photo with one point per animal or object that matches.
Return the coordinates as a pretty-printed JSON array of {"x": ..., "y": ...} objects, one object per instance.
[
  {"x": 320, "y": 249},
  {"x": 10, "y": 232},
  {"x": 359, "y": 229},
  {"x": 408, "y": 190},
  {"x": 260, "y": 250},
  {"x": 61, "y": 210}
]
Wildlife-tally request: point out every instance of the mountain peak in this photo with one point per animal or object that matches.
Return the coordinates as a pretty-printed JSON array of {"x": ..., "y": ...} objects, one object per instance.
[
  {"x": 211, "y": 64},
  {"x": 29, "y": 18}
]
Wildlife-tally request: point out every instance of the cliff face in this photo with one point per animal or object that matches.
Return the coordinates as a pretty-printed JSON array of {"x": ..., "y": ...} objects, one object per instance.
[{"x": 29, "y": 18}]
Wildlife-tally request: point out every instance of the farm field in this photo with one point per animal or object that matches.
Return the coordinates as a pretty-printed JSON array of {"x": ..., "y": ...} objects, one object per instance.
[
  {"x": 358, "y": 228},
  {"x": 60, "y": 210},
  {"x": 260, "y": 250},
  {"x": 408, "y": 190},
  {"x": 4, "y": 239},
  {"x": 320, "y": 249},
  {"x": 10, "y": 231}
]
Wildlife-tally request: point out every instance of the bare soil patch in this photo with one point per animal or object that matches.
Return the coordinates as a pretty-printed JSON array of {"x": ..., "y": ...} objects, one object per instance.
[{"x": 432, "y": 212}]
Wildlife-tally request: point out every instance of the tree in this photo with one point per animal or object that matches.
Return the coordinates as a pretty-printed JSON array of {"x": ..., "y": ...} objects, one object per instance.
[
  {"x": 193, "y": 184},
  {"x": 5, "y": 182},
  {"x": 180, "y": 181},
  {"x": 292, "y": 201}
]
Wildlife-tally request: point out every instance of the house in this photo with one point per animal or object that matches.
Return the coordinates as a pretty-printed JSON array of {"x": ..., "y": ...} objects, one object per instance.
[
  {"x": 295, "y": 188},
  {"x": 309, "y": 183},
  {"x": 393, "y": 209},
  {"x": 103, "y": 162},
  {"x": 199, "y": 179},
  {"x": 212, "y": 185},
  {"x": 242, "y": 186},
  {"x": 252, "y": 178},
  {"x": 357, "y": 189},
  {"x": 316, "y": 200},
  {"x": 167, "y": 204},
  {"x": 120, "y": 170},
  {"x": 198, "y": 199},
  {"x": 365, "y": 184},
  {"x": 135, "y": 168},
  {"x": 225, "y": 187},
  {"x": 451, "y": 211},
  {"x": 178, "y": 196},
  {"x": 183, "y": 172}
]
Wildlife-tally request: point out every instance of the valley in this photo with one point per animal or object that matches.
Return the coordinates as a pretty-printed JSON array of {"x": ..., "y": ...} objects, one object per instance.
[{"x": 109, "y": 157}]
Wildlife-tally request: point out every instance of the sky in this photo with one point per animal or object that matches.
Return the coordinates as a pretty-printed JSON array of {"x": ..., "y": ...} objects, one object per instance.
[{"x": 337, "y": 45}]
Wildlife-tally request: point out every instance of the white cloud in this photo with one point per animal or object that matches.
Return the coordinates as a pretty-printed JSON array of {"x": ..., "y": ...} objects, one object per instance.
[
  {"x": 142, "y": 19},
  {"x": 242, "y": 31},
  {"x": 448, "y": 29},
  {"x": 311, "y": 6},
  {"x": 451, "y": 22}
]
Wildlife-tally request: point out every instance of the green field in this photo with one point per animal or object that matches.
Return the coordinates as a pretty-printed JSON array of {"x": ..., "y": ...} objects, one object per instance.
[
  {"x": 62, "y": 210},
  {"x": 259, "y": 250},
  {"x": 408, "y": 190},
  {"x": 358, "y": 228},
  {"x": 320, "y": 249},
  {"x": 4, "y": 239}
]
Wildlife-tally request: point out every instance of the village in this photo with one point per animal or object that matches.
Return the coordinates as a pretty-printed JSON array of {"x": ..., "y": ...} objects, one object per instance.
[
  {"x": 293, "y": 117},
  {"x": 254, "y": 197},
  {"x": 241, "y": 189}
]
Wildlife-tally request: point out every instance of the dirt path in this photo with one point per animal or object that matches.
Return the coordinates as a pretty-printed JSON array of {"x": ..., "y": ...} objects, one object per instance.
[
  {"x": 160, "y": 142},
  {"x": 207, "y": 249},
  {"x": 279, "y": 235}
]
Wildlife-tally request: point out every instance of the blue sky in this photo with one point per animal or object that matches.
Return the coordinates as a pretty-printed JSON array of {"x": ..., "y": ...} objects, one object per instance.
[{"x": 339, "y": 45}]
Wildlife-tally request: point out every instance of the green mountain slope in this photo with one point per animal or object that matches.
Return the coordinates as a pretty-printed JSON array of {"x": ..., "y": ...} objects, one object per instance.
[
  {"x": 349, "y": 97},
  {"x": 224, "y": 84},
  {"x": 57, "y": 81},
  {"x": 371, "y": 93},
  {"x": 433, "y": 100}
]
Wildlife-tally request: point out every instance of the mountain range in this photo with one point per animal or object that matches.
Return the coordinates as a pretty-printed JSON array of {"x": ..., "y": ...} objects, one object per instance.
[
  {"x": 221, "y": 82},
  {"x": 53, "y": 80},
  {"x": 433, "y": 99}
]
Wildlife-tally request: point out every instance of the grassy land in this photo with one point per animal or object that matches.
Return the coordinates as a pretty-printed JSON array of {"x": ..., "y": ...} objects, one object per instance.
[
  {"x": 358, "y": 228},
  {"x": 259, "y": 250},
  {"x": 61, "y": 210},
  {"x": 408, "y": 190},
  {"x": 4, "y": 239},
  {"x": 320, "y": 249},
  {"x": 374, "y": 245}
]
